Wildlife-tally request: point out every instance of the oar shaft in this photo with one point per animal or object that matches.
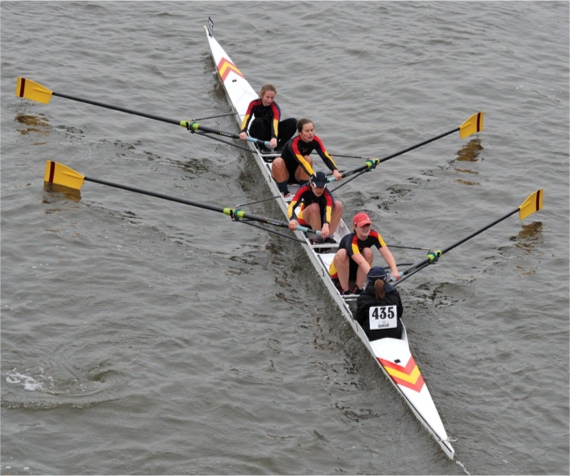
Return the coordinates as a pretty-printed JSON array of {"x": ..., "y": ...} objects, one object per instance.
[
  {"x": 213, "y": 117},
  {"x": 396, "y": 154},
  {"x": 348, "y": 156},
  {"x": 156, "y": 194},
  {"x": 200, "y": 127},
  {"x": 363, "y": 168},
  {"x": 238, "y": 214},
  {"x": 31, "y": 90},
  {"x": 475, "y": 233},
  {"x": 470, "y": 126},
  {"x": 195, "y": 127},
  {"x": 410, "y": 272},
  {"x": 64, "y": 176},
  {"x": 418, "y": 145},
  {"x": 426, "y": 261},
  {"x": 121, "y": 109}
]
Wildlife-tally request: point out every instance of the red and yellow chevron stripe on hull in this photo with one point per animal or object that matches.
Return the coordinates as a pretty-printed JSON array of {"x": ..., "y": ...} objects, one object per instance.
[
  {"x": 225, "y": 67},
  {"x": 408, "y": 376}
]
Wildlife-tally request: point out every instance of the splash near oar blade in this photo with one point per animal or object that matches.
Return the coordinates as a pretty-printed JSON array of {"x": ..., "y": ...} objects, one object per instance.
[
  {"x": 472, "y": 125},
  {"x": 59, "y": 174},
  {"x": 532, "y": 204},
  {"x": 28, "y": 89}
]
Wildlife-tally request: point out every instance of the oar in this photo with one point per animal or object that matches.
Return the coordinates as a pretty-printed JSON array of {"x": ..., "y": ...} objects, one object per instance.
[
  {"x": 532, "y": 204},
  {"x": 195, "y": 127},
  {"x": 217, "y": 115},
  {"x": 62, "y": 175},
  {"x": 28, "y": 89},
  {"x": 348, "y": 156},
  {"x": 470, "y": 126}
]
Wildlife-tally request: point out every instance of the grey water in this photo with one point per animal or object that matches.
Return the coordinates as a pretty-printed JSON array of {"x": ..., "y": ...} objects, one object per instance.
[{"x": 143, "y": 336}]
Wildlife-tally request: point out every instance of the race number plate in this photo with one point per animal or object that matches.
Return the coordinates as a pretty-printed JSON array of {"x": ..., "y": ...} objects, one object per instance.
[{"x": 382, "y": 317}]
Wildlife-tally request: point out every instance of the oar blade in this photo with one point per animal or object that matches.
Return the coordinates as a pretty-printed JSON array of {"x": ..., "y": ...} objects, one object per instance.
[
  {"x": 532, "y": 204},
  {"x": 62, "y": 175},
  {"x": 28, "y": 89},
  {"x": 472, "y": 125}
]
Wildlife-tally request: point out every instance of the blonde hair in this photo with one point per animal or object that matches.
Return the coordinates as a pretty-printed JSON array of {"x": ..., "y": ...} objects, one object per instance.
[{"x": 267, "y": 87}]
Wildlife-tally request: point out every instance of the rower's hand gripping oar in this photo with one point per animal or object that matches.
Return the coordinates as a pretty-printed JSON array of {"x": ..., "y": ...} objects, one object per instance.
[
  {"x": 532, "y": 204},
  {"x": 470, "y": 126},
  {"x": 59, "y": 174},
  {"x": 28, "y": 89}
]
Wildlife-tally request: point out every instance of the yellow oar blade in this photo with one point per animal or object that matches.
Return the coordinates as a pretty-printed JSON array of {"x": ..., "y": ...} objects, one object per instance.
[
  {"x": 472, "y": 125},
  {"x": 28, "y": 89},
  {"x": 61, "y": 175},
  {"x": 532, "y": 204}
]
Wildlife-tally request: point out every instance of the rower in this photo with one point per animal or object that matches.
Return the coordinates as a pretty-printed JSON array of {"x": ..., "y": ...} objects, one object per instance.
[
  {"x": 379, "y": 308},
  {"x": 295, "y": 164},
  {"x": 313, "y": 205}
]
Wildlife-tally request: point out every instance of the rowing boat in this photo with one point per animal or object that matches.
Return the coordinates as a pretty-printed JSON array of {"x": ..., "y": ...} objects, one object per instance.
[{"x": 392, "y": 355}]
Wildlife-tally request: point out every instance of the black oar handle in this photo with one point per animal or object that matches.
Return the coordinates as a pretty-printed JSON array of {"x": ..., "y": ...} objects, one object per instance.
[
  {"x": 410, "y": 272},
  {"x": 195, "y": 127}
]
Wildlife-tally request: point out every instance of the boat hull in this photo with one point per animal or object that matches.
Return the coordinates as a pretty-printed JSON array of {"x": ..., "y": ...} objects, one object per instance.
[{"x": 393, "y": 356}]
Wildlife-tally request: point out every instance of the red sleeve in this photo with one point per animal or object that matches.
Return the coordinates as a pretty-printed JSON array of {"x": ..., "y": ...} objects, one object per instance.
[
  {"x": 301, "y": 158},
  {"x": 293, "y": 204},
  {"x": 247, "y": 116}
]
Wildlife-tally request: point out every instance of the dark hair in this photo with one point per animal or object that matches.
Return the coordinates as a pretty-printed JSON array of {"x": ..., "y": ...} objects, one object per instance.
[{"x": 302, "y": 122}]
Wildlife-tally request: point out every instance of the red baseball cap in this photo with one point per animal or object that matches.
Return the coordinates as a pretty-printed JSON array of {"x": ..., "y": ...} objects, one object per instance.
[{"x": 361, "y": 219}]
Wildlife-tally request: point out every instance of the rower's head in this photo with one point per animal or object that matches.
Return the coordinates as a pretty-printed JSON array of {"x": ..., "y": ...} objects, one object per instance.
[
  {"x": 377, "y": 277},
  {"x": 362, "y": 225},
  {"x": 267, "y": 94},
  {"x": 376, "y": 272},
  {"x": 306, "y": 129},
  {"x": 319, "y": 183}
]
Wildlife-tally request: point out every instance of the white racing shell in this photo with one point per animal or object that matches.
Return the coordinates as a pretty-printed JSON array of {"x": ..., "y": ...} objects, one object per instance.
[{"x": 392, "y": 355}]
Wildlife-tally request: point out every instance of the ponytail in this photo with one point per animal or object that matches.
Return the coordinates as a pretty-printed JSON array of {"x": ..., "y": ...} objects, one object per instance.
[{"x": 379, "y": 289}]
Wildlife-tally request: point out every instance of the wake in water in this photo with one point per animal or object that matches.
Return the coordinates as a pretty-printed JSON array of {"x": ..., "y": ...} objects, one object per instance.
[
  {"x": 36, "y": 389},
  {"x": 463, "y": 467}
]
